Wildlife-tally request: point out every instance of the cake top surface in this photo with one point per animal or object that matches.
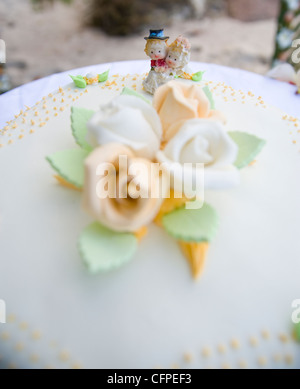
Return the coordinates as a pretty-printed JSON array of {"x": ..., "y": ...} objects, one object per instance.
[{"x": 250, "y": 329}]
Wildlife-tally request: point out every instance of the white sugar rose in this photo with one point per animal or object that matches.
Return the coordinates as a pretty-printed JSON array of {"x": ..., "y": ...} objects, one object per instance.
[
  {"x": 130, "y": 121},
  {"x": 205, "y": 142},
  {"x": 123, "y": 195}
]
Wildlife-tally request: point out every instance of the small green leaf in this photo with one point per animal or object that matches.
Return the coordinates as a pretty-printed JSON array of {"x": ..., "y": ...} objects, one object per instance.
[
  {"x": 249, "y": 147},
  {"x": 131, "y": 92},
  {"x": 209, "y": 95},
  {"x": 176, "y": 77},
  {"x": 102, "y": 249},
  {"x": 79, "y": 119},
  {"x": 103, "y": 76},
  {"x": 195, "y": 225},
  {"x": 69, "y": 164},
  {"x": 79, "y": 81},
  {"x": 197, "y": 77}
]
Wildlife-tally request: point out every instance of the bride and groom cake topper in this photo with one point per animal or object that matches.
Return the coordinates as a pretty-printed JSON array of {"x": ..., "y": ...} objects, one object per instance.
[{"x": 167, "y": 61}]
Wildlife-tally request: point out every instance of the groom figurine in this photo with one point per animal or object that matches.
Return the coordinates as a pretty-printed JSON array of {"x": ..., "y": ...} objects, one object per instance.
[{"x": 156, "y": 49}]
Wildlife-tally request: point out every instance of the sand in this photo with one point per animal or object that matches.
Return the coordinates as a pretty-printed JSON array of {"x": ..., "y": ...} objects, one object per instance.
[{"x": 54, "y": 40}]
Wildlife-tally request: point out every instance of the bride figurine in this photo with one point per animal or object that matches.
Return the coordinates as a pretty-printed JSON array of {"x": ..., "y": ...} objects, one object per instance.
[{"x": 179, "y": 54}]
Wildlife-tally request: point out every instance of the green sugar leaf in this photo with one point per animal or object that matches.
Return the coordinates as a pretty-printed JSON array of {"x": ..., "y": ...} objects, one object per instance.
[
  {"x": 103, "y": 76},
  {"x": 195, "y": 225},
  {"x": 79, "y": 81},
  {"x": 197, "y": 77},
  {"x": 79, "y": 119},
  {"x": 103, "y": 250},
  {"x": 131, "y": 92},
  {"x": 209, "y": 95},
  {"x": 249, "y": 147},
  {"x": 69, "y": 164}
]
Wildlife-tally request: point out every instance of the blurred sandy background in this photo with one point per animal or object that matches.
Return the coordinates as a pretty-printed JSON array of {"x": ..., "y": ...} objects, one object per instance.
[{"x": 57, "y": 38}]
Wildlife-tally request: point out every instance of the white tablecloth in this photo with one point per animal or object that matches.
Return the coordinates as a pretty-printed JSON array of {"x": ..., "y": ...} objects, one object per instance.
[{"x": 274, "y": 92}]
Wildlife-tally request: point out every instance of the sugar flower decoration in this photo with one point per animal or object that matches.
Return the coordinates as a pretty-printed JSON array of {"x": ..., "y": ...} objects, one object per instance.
[
  {"x": 177, "y": 102},
  {"x": 133, "y": 159},
  {"x": 114, "y": 201},
  {"x": 127, "y": 120},
  {"x": 204, "y": 142}
]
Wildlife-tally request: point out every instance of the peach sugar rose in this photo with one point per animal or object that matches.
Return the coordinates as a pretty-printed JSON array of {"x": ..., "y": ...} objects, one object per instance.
[
  {"x": 177, "y": 102},
  {"x": 110, "y": 195}
]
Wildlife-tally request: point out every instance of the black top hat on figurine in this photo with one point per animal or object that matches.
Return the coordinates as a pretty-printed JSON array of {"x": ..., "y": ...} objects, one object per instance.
[{"x": 157, "y": 34}]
